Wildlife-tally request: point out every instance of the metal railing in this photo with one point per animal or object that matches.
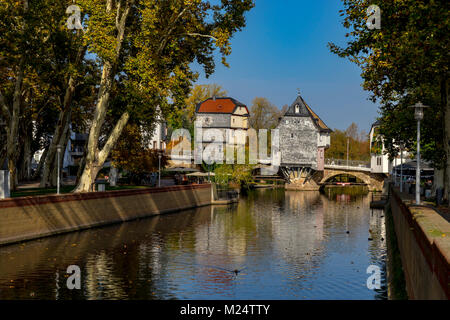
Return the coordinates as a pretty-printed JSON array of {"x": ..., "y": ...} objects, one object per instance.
[{"x": 345, "y": 163}]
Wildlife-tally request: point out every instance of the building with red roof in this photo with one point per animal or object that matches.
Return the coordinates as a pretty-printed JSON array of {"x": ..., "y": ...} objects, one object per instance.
[{"x": 222, "y": 114}]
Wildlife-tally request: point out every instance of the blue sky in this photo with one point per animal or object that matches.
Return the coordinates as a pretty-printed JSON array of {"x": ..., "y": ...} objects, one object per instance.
[{"x": 284, "y": 47}]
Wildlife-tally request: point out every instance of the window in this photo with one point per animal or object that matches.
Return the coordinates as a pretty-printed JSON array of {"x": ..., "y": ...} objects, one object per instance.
[
  {"x": 287, "y": 121},
  {"x": 297, "y": 108},
  {"x": 154, "y": 145},
  {"x": 292, "y": 135}
]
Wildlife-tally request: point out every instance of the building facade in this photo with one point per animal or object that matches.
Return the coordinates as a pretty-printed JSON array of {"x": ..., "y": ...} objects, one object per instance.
[
  {"x": 159, "y": 134},
  {"x": 379, "y": 159},
  {"x": 220, "y": 120},
  {"x": 304, "y": 137},
  {"x": 222, "y": 114}
]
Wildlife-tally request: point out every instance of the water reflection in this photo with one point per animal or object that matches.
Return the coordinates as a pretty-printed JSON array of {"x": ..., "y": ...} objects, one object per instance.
[{"x": 272, "y": 245}]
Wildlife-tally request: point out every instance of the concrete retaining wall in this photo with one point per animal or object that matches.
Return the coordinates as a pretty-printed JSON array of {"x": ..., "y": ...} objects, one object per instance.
[
  {"x": 423, "y": 238},
  {"x": 34, "y": 217}
]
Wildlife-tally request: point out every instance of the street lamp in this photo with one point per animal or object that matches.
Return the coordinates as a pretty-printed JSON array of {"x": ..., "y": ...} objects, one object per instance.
[
  {"x": 159, "y": 168},
  {"x": 418, "y": 115},
  {"x": 348, "y": 141},
  {"x": 58, "y": 148}
]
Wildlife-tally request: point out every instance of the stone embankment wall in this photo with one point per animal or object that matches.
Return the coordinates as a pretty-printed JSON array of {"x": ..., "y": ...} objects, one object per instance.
[
  {"x": 35, "y": 217},
  {"x": 423, "y": 238}
]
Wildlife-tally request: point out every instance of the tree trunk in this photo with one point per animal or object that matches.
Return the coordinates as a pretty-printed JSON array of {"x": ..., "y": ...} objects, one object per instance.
[
  {"x": 63, "y": 143},
  {"x": 37, "y": 173},
  {"x": 63, "y": 122},
  {"x": 94, "y": 157},
  {"x": 12, "y": 145}
]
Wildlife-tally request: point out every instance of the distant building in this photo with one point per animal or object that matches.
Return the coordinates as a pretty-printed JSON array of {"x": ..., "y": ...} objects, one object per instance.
[
  {"x": 304, "y": 137},
  {"x": 159, "y": 134},
  {"x": 75, "y": 149},
  {"x": 379, "y": 159},
  {"x": 221, "y": 114}
]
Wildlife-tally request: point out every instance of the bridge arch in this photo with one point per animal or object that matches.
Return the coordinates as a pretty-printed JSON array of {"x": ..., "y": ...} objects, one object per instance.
[
  {"x": 330, "y": 174},
  {"x": 374, "y": 181}
]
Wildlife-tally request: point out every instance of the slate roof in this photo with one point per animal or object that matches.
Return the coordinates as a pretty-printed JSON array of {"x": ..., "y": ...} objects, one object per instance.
[
  {"x": 306, "y": 111},
  {"x": 219, "y": 105}
]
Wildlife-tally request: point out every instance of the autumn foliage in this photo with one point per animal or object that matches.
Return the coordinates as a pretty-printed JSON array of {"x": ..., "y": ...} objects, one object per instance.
[{"x": 133, "y": 155}]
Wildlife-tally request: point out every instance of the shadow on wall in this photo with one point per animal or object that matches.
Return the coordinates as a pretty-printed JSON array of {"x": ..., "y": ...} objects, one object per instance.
[{"x": 30, "y": 218}]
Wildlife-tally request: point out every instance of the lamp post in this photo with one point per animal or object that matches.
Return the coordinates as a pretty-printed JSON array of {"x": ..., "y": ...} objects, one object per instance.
[
  {"x": 159, "y": 168},
  {"x": 58, "y": 182},
  {"x": 348, "y": 141},
  {"x": 418, "y": 115}
]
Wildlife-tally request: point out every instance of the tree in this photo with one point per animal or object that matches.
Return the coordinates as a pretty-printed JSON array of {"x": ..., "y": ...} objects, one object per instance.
[
  {"x": 184, "y": 116},
  {"x": 133, "y": 155},
  {"x": 201, "y": 93},
  {"x": 28, "y": 36},
  {"x": 41, "y": 64},
  {"x": 145, "y": 48},
  {"x": 358, "y": 144},
  {"x": 404, "y": 62},
  {"x": 263, "y": 114}
]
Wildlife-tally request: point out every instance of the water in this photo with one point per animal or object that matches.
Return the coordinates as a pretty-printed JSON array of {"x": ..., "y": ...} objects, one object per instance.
[{"x": 285, "y": 245}]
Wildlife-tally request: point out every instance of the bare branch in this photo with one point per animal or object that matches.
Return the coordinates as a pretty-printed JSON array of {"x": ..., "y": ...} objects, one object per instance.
[
  {"x": 117, "y": 15},
  {"x": 121, "y": 26},
  {"x": 201, "y": 35},
  {"x": 170, "y": 29}
]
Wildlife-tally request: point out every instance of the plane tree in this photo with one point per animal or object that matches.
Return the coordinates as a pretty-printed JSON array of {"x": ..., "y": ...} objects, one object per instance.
[
  {"x": 404, "y": 61},
  {"x": 146, "y": 48}
]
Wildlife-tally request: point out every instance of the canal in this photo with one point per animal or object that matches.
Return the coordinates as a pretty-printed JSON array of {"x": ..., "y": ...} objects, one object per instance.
[{"x": 273, "y": 244}]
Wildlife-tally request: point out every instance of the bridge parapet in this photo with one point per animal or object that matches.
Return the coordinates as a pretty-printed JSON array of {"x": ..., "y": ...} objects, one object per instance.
[{"x": 353, "y": 165}]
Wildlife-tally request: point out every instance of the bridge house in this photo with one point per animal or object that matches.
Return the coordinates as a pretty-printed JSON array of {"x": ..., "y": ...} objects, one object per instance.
[{"x": 304, "y": 137}]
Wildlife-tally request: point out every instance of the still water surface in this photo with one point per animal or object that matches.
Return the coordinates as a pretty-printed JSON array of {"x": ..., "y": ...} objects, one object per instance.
[{"x": 285, "y": 244}]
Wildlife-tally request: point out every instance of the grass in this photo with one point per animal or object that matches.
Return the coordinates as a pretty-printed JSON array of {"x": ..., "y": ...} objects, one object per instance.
[{"x": 31, "y": 192}]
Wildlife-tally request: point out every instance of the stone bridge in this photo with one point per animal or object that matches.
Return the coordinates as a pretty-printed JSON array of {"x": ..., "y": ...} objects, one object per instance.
[{"x": 319, "y": 179}]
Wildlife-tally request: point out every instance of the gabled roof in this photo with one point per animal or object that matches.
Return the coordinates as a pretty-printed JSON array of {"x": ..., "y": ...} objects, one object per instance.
[
  {"x": 376, "y": 124},
  {"x": 306, "y": 111},
  {"x": 219, "y": 105}
]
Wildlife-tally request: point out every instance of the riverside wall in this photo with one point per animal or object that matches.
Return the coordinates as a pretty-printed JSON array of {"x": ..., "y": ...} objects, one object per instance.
[
  {"x": 423, "y": 238},
  {"x": 29, "y": 218}
]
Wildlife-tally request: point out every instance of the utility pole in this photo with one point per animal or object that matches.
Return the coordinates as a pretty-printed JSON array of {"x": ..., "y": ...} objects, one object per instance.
[
  {"x": 159, "y": 168},
  {"x": 58, "y": 182}
]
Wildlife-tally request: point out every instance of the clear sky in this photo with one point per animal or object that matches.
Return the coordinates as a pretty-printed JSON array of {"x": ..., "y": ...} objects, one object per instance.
[{"x": 284, "y": 47}]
